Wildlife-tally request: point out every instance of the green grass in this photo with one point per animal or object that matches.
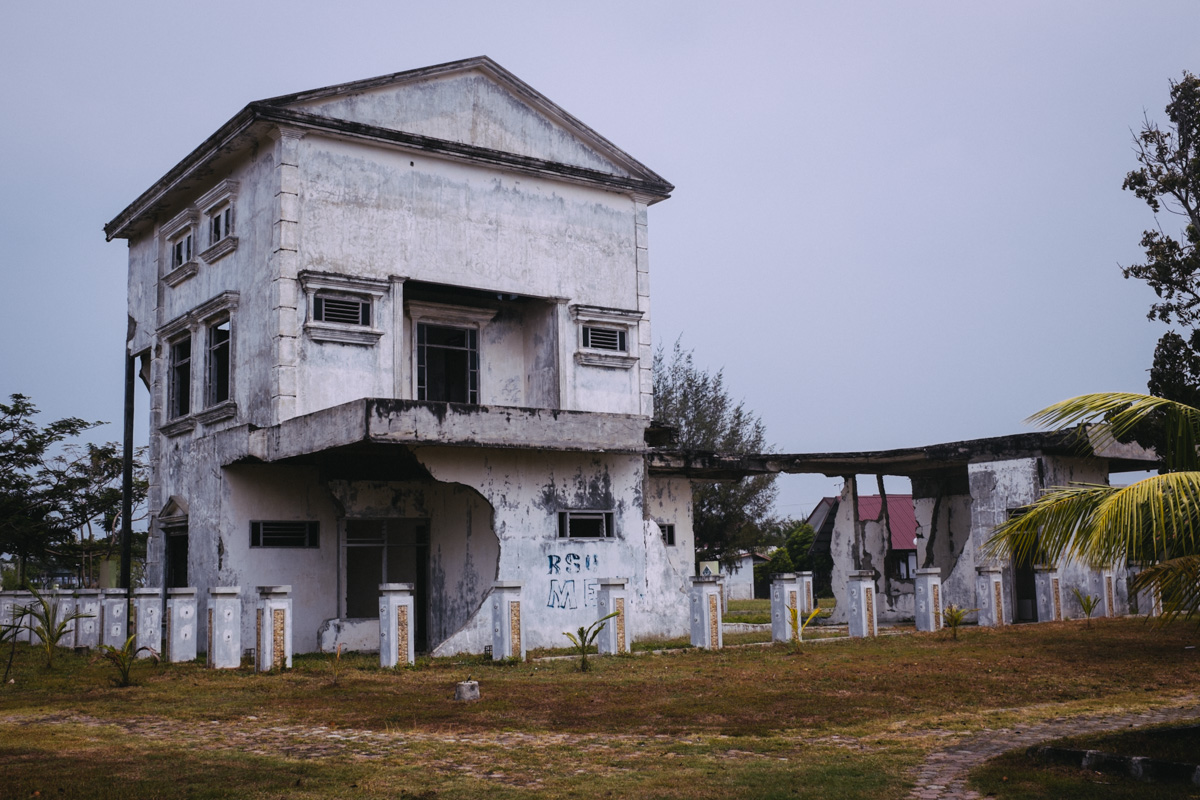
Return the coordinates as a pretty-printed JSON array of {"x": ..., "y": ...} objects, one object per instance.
[{"x": 847, "y": 719}]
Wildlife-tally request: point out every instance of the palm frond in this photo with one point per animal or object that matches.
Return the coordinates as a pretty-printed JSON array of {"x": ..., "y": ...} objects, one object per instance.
[
  {"x": 1051, "y": 526},
  {"x": 1153, "y": 519},
  {"x": 1121, "y": 412},
  {"x": 1176, "y": 582}
]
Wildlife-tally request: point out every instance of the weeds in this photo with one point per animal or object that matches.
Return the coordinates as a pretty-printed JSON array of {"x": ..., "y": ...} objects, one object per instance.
[
  {"x": 1087, "y": 602},
  {"x": 954, "y": 617},
  {"x": 798, "y": 627},
  {"x": 586, "y": 637},
  {"x": 44, "y": 623},
  {"x": 335, "y": 665},
  {"x": 124, "y": 657}
]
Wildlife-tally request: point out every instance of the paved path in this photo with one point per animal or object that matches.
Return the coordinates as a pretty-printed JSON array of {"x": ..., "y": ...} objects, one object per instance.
[{"x": 943, "y": 776}]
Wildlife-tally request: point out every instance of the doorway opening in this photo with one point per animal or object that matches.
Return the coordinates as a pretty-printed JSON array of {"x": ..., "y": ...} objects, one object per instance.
[{"x": 392, "y": 550}]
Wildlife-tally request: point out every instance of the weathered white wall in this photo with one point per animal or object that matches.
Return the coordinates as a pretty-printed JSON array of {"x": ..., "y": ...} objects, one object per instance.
[
  {"x": 865, "y": 547},
  {"x": 560, "y": 576},
  {"x": 739, "y": 581}
]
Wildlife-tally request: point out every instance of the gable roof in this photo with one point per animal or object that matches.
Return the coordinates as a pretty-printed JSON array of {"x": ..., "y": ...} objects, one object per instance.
[
  {"x": 469, "y": 110},
  {"x": 902, "y": 520}
]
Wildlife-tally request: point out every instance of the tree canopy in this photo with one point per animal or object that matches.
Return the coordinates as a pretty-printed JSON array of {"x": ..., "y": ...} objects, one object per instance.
[{"x": 728, "y": 516}]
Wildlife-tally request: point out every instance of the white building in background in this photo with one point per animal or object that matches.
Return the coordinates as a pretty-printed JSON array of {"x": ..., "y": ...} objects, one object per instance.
[{"x": 398, "y": 330}]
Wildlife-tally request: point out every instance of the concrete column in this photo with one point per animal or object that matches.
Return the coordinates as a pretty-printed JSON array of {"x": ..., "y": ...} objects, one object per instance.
[
  {"x": 860, "y": 591},
  {"x": 8, "y": 614},
  {"x": 114, "y": 618},
  {"x": 397, "y": 644},
  {"x": 147, "y": 620},
  {"x": 1108, "y": 593},
  {"x": 508, "y": 627},
  {"x": 1048, "y": 586},
  {"x": 706, "y": 612},
  {"x": 929, "y": 599},
  {"x": 785, "y": 594},
  {"x": 989, "y": 591},
  {"x": 808, "y": 600},
  {"x": 87, "y": 630},
  {"x": 1147, "y": 601},
  {"x": 615, "y": 637},
  {"x": 273, "y": 629},
  {"x": 63, "y": 603},
  {"x": 181, "y": 624},
  {"x": 224, "y": 627}
]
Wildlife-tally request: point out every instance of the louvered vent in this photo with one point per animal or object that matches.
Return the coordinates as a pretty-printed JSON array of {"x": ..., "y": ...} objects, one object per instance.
[
  {"x": 343, "y": 310},
  {"x": 604, "y": 338},
  {"x": 285, "y": 534}
]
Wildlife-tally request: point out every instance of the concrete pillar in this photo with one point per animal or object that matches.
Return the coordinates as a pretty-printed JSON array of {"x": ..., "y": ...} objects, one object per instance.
[
  {"x": 616, "y": 636},
  {"x": 1108, "y": 593},
  {"x": 397, "y": 644},
  {"x": 860, "y": 592},
  {"x": 181, "y": 624},
  {"x": 87, "y": 630},
  {"x": 224, "y": 627},
  {"x": 273, "y": 629},
  {"x": 508, "y": 627},
  {"x": 989, "y": 591},
  {"x": 114, "y": 618},
  {"x": 1147, "y": 601},
  {"x": 8, "y": 614},
  {"x": 929, "y": 599},
  {"x": 1048, "y": 586},
  {"x": 147, "y": 621},
  {"x": 706, "y": 612},
  {"x": 63, "y": 603},
  {"x": 785, "y": 595},
  {"x": 21, "y": 601},
  {"x": 808, "y": 600}
]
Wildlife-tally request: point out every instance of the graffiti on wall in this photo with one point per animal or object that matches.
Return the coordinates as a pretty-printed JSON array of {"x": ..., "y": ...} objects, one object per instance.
[{"x": 572, "y": 588}]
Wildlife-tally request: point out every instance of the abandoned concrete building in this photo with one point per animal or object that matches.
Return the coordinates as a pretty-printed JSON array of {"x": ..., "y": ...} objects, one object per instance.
[
  {"x": 398, "y": 330},
  {"x": 960, "y": 492}
]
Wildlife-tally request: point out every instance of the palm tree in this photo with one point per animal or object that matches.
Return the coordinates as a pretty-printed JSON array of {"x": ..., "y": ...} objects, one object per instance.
[{"x": 1155, "y": 521}]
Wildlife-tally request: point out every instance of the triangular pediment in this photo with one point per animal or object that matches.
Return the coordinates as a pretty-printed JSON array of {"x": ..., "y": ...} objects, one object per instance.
[
  {"x": 474, "y": 102},
  {"x": 175, "y": 509}
]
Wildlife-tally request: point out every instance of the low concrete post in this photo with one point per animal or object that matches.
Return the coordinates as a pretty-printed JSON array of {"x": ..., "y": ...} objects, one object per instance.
[
  {"x": 63, "y": 601},
  {"x": 929, "y": 599},
  {"x": 989, "y": 589},
  {"x": 114, "y": 618},
  {"x": 21, "y": 603},
  {"x": 147, "y": 621},
  {"x": 8, "y": 613},
  {"x": 273, "y": 629},
  {"x": 1108, "y": 594},
  {"x": 785, "y": 595},
  {"x": 808, "y": 600},
  {"x": 224, "y": 627},
  {"x": 397, "y": 644},
  {"x": 706, "y": 612},
  {"x": 614, "y": 638},
  {"x": 861, "y": 595},
  {"x": 181, "y": 624},
  {"x": 87, "y": 629},
  {"x": 1048, "y": 587},
  {"x": 508, "y": 628}
]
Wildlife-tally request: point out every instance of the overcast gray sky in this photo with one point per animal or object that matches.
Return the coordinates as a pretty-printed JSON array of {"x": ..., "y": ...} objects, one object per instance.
[{"x": 895, "y": 223}]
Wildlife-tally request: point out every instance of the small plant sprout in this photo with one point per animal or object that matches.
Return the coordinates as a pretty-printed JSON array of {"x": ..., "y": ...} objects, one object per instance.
[
  {"x": 124, "y": 657},
  {"x": 1087, "y": 602},
  {"x": 798, "y": 627},
  {"x": 335, "y": 664},
  {"x": 954, "y": 617},
  {"x": 585, "y": 638},
  {"x": 43, "y": 623}
]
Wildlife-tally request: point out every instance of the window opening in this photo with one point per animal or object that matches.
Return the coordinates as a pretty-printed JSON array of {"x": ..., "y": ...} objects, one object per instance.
[
  {"x": 604, "y": 338},
  {"x": 668, "y": 532},
  {"x": 447, "y": 364},
  {"x": 585, "y": 524},
  {"x": 181, "y": 377},
  {"x": 181, "y": 250},
  {"x": 218, "y": 363},
  {"x": 904, "y": 564},
  {"x": 278, "y": 533},
  {"x": 220, "y": 224},
  {"x": 344, "y": 310}
]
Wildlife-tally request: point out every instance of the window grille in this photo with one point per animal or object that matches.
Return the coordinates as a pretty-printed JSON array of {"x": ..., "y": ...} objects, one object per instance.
[
  {"x": 585, "y": 524},
  {"x": 285, "y": 534},
  {"x": 344, "y": 310},
  {"x": 604, "y": 338}
]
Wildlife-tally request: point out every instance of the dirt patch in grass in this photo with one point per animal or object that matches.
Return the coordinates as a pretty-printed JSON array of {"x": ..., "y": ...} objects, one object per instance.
[
  {"x": 1165, "y": 743},
  {"x": 1015, "y": 776}
]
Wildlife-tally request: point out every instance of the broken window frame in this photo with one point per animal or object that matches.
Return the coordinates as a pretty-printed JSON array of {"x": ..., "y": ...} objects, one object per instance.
[
  {"x": 218, "y": 383},
  {"x": 179, "y": 382},
  {"x": 902, "y": 565},
  {"x": 179, "y": 252},
  {"x": 668, "y": 533},
  {"x": 423, "y": 315},
  {"x": 584, "y": 520},
  {"x": 367, "y": 293},
  {"x": 220, "y": 218},
  {"x": 197, "y": 327},
  {"x": 470, "y": 367}
]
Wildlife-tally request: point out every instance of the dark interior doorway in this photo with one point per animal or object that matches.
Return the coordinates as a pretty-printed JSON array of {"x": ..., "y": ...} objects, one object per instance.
[
  {"x": 388, "y": 551},
  {"x": 176, "y": 558}
]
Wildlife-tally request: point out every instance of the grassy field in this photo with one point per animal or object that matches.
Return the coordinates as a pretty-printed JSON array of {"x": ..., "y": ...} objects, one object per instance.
[{"x": 844, "y": 719}]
